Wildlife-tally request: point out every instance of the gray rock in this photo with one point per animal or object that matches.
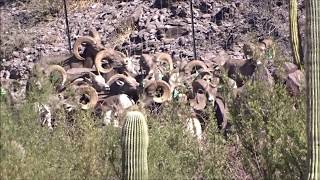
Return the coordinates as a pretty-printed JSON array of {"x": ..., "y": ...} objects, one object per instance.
[
  {"x": 181, "y": 41},
  {"x": 16, "y": 54},
  {"x": 151, "y": 27},
  {"x": 215, "y": 22}
]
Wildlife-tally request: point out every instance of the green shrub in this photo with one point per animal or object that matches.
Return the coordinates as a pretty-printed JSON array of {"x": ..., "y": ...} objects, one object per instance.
[
  {"x": 266, "y": 140},
  {"x": 80, "y": 148},
  {"x": 174, "y": 154},
  {"x": 270, "y": 130}
]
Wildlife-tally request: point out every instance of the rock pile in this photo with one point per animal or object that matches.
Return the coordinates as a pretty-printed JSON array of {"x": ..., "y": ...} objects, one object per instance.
[{"x": 143, "y": 27}]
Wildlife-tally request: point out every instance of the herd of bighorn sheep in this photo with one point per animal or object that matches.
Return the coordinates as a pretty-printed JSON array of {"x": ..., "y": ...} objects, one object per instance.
[{"x": 110, "y": 82}]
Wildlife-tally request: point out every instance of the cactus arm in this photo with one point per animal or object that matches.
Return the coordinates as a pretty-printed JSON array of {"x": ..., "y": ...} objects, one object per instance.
[
  {"x": 295, "y": 33},
  {"x": 134, "y": 147},
  {"x": 313, "y": 86}
]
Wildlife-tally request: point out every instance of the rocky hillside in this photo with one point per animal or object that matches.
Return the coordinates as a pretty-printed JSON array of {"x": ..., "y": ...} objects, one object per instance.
[
  {"x": 258, "y": 129},
  {"x": 31, "y": 30}
]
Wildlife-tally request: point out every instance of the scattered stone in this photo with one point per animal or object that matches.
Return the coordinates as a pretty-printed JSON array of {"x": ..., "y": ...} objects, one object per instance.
[{"x": 156, "y": 25}]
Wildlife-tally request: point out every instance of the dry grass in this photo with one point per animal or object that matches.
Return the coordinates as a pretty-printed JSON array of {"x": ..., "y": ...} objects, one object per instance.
[{"x": 78, "y": 5}]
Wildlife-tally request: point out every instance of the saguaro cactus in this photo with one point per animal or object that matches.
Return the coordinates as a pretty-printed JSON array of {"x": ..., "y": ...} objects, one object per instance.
[
  {"x": 294, "y": 33},
  {"x": 134, "y": 147},
  {"x": 313, "y": 86}
]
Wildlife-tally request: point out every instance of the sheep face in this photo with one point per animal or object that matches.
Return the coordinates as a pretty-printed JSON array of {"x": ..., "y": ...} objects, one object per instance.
[{"x": 131, "y": 66}]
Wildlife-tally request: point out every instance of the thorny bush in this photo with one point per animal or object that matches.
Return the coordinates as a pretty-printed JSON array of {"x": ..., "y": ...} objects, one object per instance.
[{"x": 269, "y": 129}]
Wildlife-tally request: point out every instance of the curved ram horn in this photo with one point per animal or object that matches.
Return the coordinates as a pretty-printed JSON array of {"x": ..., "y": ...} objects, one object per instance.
[
  {"x": 91, "y": 92},
  {"x": 60, "y": 69},
  {"x": 120, "y": 54},
  {"x": 165, "y": 57},
  {"x": 98, "y": 60},
  {"x": 131, "y": 81},
  {"x": 166, "y": 94},
  {"x": 203, "y": 85},
  {"x": 77, "y": 44},
  {"x": 74, "y": 71},
  {"x": 200, "y": 84},
  {"x": 192, "y": 64},
  {"x": 116, "y": 56}
]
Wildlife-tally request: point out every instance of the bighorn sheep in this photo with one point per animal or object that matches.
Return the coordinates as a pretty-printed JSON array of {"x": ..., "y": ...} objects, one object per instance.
[
  {"x": 194, "y": 128},
  {"x": 116, "y": 57},
  {"x": 87, "y": 75},
  {"x": 92, "y": 47},
  {"x": 114, "y": 105},
  {"x": 194, "y": 65},
  {"x": 86, "y": 39},
  {"x": 190, "y": 70},
  {"x": 87, "y": 96},
  {"x": 120, "y": 83},
  {"x": 255, "y": 51},
  {"x": 207, "y": 85},
  {"x": 154, "y": 88},
  {"x": 156, "y": 70},
  {"x": 240, "y": 69}
]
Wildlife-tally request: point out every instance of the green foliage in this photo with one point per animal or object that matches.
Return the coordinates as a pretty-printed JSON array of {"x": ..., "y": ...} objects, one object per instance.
[
  {"x": 77, "y": 148},
  {"x": 269, "y": 128},
  {"x": 174, "y": 154},
  {"x": 267, "y": 139},
  {"x": 73, "y": 150},
  {"x": 80, "y": 148}
]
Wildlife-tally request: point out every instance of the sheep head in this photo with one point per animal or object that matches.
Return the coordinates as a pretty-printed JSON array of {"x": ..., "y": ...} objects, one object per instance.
[
  {"x": 131, "y": 67},
  {"x": 126, "y": 83},
  {"x": 159, "y": 90},
  {"x": 82, "y": 40},
  {"x": 95, "y": 35},
  {"x": 166, "y": 59},
  {"x": 114, "y": 58},
  {"x": 86, "y": 96},
  {"x": 191, "y": 68}
]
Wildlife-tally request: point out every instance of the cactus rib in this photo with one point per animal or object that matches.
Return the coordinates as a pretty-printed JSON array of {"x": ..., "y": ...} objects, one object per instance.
[
  {"x": 295, "y": 33},
  {"x": 134, "y": 146},
  {"x": 313, "y": 86}
]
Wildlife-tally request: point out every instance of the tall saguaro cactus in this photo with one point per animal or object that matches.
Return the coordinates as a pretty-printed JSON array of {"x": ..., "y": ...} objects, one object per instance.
[
  {"x": 134, "y": 147},
  {"x": 294, "y": 33},
  {"x": 313, "y": 86}
]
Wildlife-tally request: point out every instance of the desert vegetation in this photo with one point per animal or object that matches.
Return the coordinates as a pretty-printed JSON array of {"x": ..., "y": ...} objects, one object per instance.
[
  {"x": 112, "y": 109},
  {"x": 258, "y": 145}
]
